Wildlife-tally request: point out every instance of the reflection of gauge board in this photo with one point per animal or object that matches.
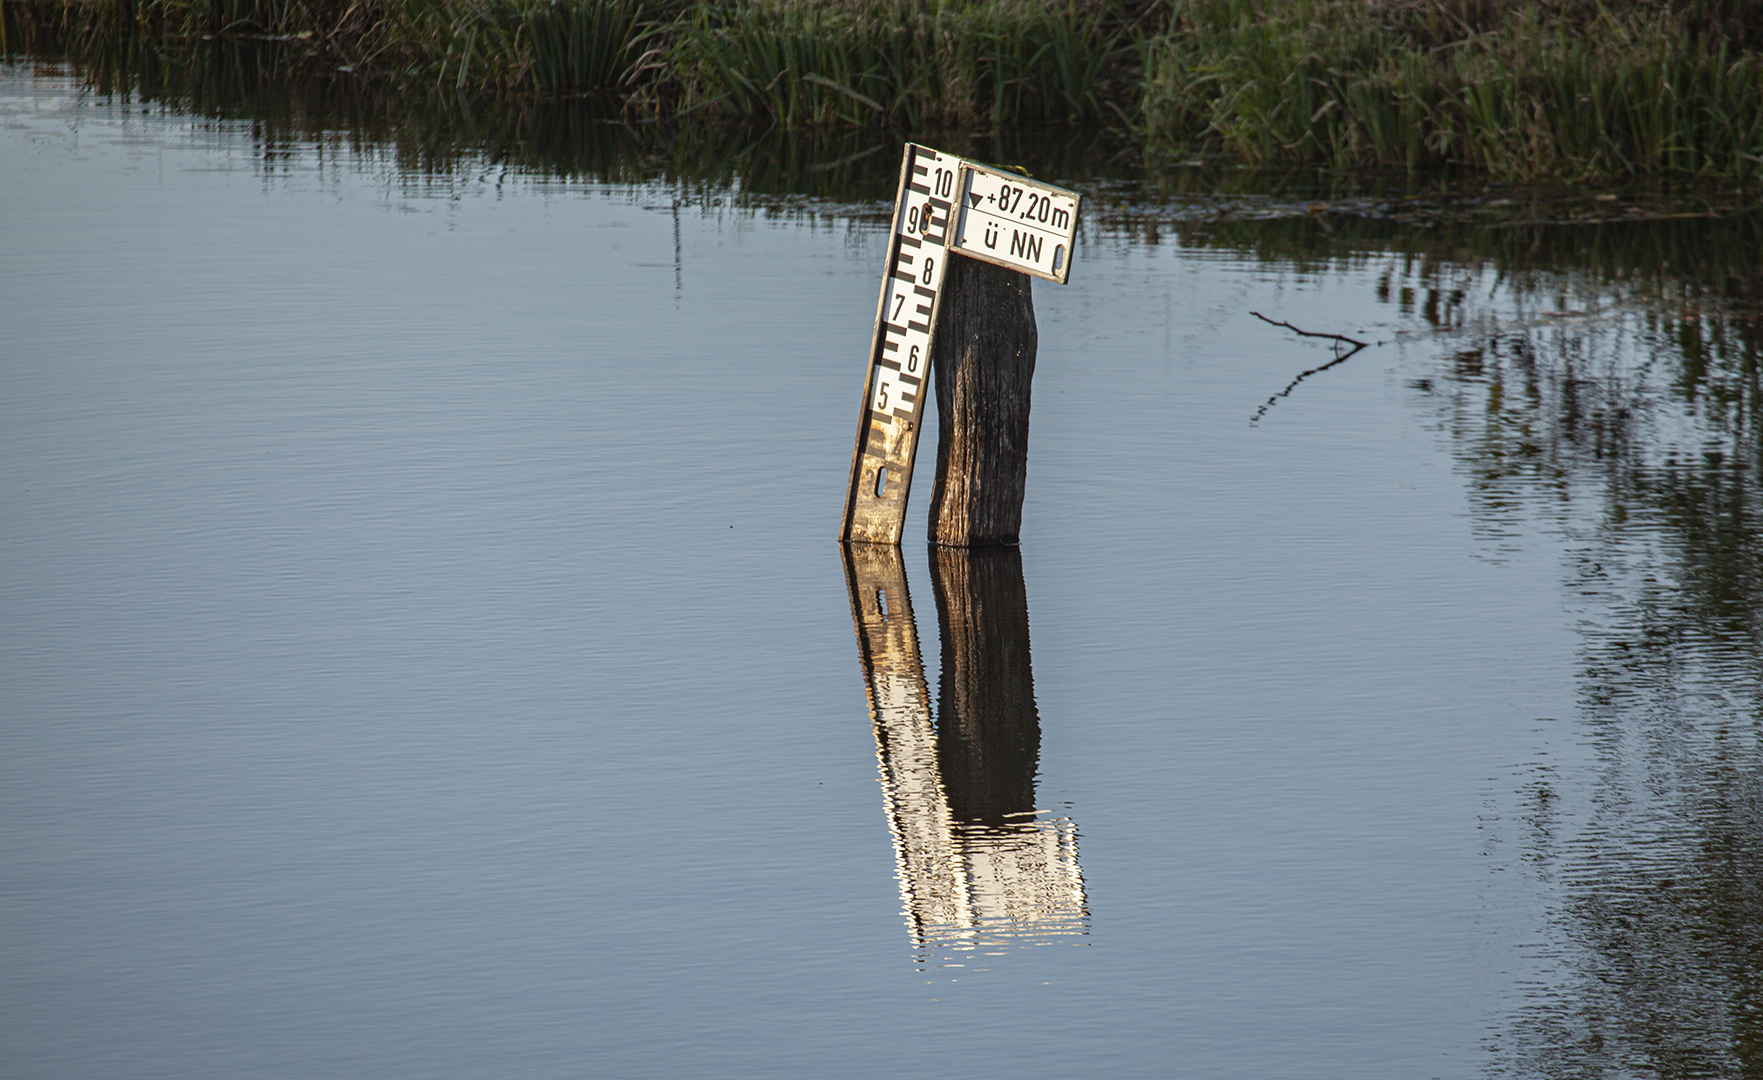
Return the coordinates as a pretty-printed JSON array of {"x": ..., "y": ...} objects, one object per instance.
[
  {"x": 926, "y": 861},
  {"x": 965, "y": 886},
  {"x": 1001, "y": 218}
]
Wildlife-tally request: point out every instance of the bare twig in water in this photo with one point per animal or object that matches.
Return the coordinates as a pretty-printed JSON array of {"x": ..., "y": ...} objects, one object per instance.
[
  {"x": 1340, "y": 358},
  {"x": 1307, "y": 333}
]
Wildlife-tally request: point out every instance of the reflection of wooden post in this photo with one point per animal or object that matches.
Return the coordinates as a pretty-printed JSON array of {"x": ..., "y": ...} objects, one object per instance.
[
  {"x": 977, "y": 866},
  {"x": 988, "y": 731},
  {"x": 983, "y": 361},
  {"x": 1022, "y": 877}
]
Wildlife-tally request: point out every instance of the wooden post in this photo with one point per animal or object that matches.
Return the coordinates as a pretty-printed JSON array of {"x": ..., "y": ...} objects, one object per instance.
[{"x": 983, "y": 362}]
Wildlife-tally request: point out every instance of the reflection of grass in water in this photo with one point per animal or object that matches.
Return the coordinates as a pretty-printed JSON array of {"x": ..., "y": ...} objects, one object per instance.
[
  {"x": 1531, "y": 243},
  {"x": 435, "y": 133},
  {"x": 1657, "y": 943},
  {"x": 1633, "y": 435}
]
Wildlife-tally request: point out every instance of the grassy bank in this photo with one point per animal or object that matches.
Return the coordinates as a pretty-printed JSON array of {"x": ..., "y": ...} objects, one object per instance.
[
  {"x": 1568, "y": 90},
  {"x": 1577, "y": 89}
]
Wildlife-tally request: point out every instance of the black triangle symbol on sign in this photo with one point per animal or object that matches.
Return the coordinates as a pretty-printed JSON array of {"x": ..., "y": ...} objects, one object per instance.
[{"x": 975, "y": 197}]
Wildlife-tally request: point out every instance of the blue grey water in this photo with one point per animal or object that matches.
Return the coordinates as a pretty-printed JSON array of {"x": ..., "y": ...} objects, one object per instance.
[{"x": 425, "y": 650}]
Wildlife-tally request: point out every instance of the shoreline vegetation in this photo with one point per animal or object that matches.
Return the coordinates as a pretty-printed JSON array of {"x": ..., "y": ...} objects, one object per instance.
[{"x": 1524, "y": 90}]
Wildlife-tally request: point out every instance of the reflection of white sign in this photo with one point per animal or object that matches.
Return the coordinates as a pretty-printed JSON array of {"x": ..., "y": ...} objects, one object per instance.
[{"x": 1016, "y": 222}]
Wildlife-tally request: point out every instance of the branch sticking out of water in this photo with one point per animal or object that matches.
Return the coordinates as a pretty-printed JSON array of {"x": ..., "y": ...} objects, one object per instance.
[
  {"x": 1340, "y": 358},
  {"x": 1306, "y": 333}
]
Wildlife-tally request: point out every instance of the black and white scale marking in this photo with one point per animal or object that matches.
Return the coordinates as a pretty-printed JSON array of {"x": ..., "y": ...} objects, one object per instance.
[
  {"x": 887, "y": 437},
  {"x": 909, "y": 296}
]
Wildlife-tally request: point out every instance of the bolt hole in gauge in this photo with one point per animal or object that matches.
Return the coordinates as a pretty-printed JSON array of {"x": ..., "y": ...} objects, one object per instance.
[{"x": 944, "y": 206}]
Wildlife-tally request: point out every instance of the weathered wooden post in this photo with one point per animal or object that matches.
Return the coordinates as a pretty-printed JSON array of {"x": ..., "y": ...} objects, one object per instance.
[
  {"x": 984, "y": 363},
  {"x": 951, "y": 217}
]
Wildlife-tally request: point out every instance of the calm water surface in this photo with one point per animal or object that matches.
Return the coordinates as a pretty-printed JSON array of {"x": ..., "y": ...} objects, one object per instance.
[{"x": 425, "y": 650}]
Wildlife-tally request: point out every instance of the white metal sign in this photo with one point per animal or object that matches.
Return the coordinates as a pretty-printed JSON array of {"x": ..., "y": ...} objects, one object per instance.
[
  {"x": 999, "y": 217},
  {"x": 1016, "y": 222}
]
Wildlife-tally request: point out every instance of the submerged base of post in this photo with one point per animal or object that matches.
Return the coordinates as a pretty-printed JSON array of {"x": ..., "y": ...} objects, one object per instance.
[{"x": 984, "y": 363}]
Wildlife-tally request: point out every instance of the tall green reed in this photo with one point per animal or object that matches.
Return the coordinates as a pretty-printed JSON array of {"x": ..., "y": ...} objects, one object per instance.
[
  {"x": 913, "y": 62},
  {"x": 557, "y": 46}
]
